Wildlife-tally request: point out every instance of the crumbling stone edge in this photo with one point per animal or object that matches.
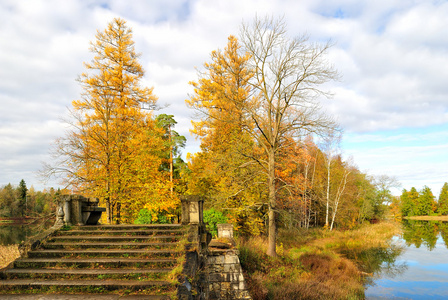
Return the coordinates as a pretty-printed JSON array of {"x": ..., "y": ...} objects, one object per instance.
[{"x": 32, "y": 243}]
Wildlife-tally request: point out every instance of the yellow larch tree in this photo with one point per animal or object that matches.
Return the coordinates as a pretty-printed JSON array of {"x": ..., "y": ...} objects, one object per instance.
[
  {"x": 107, "y": 153},
  {"x": 222, "y": 171}
]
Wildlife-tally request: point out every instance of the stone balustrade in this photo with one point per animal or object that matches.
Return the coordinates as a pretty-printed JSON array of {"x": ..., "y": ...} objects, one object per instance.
[{"x": 78, "y": 210}]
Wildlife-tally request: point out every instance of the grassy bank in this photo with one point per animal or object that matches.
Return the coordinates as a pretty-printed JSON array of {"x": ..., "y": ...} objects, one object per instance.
[
  {"x": 8, "y": 254},
  {"x": 314, "y": 264}
]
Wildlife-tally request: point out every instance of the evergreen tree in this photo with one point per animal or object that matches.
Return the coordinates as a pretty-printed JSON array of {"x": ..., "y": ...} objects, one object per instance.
[
  {"x": 413, "y": 196},
  {"x": 22, "y": 190},
  {"x": 425, "y": 202},
  {"x": 173, "y": 142},
  {"x": 443, "y": 200},
  {"x": 407, "y": 206}
]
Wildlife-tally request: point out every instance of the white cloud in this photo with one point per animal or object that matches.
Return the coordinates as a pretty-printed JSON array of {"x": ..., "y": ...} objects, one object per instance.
[{"x": 392, "y": 55}]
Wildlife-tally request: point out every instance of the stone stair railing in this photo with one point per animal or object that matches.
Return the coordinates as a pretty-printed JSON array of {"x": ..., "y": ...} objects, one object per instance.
[
  {"x": 125, "y": 259},
  {"x": 100, "y": 259}
]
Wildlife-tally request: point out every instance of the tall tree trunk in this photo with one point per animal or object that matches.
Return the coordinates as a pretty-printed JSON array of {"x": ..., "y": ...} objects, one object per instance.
[
  {"x": 171, "y": 164},
  {"x": 341, "y": 189},
  {"x": 304, "y": 196},
  {"x": 108, "y": 210},
  {"x": 328, "y": 193},
  {"x": 118, "y": 221},
  {"x": 272, "y": 204}
]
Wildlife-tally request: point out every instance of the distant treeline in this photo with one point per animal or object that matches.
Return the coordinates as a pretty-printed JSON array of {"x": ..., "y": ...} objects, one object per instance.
[
  {"x": 19, "y": 201},
  {"x": 423, "y": 202}
]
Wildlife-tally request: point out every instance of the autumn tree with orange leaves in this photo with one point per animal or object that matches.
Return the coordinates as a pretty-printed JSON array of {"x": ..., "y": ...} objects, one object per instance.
[{"x": 111, "y": 150}]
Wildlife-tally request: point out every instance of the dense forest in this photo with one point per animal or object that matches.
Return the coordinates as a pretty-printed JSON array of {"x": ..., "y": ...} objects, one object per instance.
[{"x": 17, "y": 201}]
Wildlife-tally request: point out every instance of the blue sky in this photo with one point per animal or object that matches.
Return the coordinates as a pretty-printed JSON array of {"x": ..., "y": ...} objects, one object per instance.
[{"x": 392, "y": 55}]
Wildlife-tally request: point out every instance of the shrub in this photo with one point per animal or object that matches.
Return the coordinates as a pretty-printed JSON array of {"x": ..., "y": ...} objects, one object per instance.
[
  {"x": 146, "y": 216},
  {"x": 213, "y": 217}
]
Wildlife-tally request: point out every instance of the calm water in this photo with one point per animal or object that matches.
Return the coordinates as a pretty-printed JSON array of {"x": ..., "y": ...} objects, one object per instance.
[
  {"x": 14, "y": 234},
  {"x": 419, "y": 269}
]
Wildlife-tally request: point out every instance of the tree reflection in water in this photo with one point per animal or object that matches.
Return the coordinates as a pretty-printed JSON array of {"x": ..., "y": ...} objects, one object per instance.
[
  {"x": 417, "y": 233},
  {"x": 15, "y": 234},
  {"x": 378, "y": 261}
]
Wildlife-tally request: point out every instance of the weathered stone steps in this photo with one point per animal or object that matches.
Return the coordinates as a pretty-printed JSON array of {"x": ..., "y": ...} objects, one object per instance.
[
  {"x": 85, "y": 271},
  {"x": 127, "y": 227},
  {"x": 153, "y": 232},
  {"x": 105, "y": 284},
  {"x": 85, "y": 274},
  {"x": 113, "y": 238},
  {"x": 94, "y": 259},
  {"x": 115, "y": 245},
  {"x": 103, "y": 253},
  {"x": 93, "y": 262},
  {"x": 82, "y": 296}
]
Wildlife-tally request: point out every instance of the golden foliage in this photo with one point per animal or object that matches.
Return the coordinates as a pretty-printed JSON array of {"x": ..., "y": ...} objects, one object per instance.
[
  {"x": 223, "y": 171},
  {"x": 114, "y": 150}
]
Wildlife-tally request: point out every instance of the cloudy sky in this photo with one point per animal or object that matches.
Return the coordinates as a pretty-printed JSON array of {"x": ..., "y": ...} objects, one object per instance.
[{"x": 392, "y": 55}]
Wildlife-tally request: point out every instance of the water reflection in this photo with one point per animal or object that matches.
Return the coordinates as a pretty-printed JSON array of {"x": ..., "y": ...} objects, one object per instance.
[
  {"x": 425, "y": 233},
  {"x": 422, "y": 265},
  {"x": 377, "y": 261},
  {"x": 14, "y": 234}
]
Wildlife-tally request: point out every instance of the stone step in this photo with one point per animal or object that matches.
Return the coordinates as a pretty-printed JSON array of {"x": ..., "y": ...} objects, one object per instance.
[
  {"x": 64, "y": 296},
  {"x": 85, "y": 271},
  {"x": 103, "y": 253},
  {"x": 154, "y": 232},
  {"x": 71, "y": 274},
  {"x": 114, "y": 245},
  {"x": 90, "y": 285},
  {"x": 96, "y": 262},
  {"x": 130, "y": 227},
  {"x": 114, "y": 238}
]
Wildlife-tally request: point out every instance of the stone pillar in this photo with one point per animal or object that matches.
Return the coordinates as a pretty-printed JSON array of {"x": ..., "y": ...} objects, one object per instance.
[
  {"x": 66, "y": 199},
  {"x": 225, "y": 230},
  {"x": 59, "y": 215},
  {"x": 76, "y": 209},
  {"x": 192, "y": 209}
]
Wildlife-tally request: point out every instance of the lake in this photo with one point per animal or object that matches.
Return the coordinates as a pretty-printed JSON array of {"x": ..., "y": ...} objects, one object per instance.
[
  {"x": 14, "y": 234},
  {"x": 418, "y": 268}
]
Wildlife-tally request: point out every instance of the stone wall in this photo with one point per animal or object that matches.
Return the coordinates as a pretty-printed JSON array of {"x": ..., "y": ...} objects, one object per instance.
[
  {"x": 225, "y": 276},
  {"x": 211, "y": 270}
]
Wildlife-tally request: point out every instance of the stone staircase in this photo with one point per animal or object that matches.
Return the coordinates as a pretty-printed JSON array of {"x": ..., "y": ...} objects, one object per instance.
[{"x": 111, "y": 259}]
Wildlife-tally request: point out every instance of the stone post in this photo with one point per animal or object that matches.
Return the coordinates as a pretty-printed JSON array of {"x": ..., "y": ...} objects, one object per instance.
[
  {"x": 225, "y": 230},
  {"x": 76, "y": 209},
  {"x": 59, "y": 216},
  {"x": 66, "y": 199},
  {"x": 192, "y": 209}
]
